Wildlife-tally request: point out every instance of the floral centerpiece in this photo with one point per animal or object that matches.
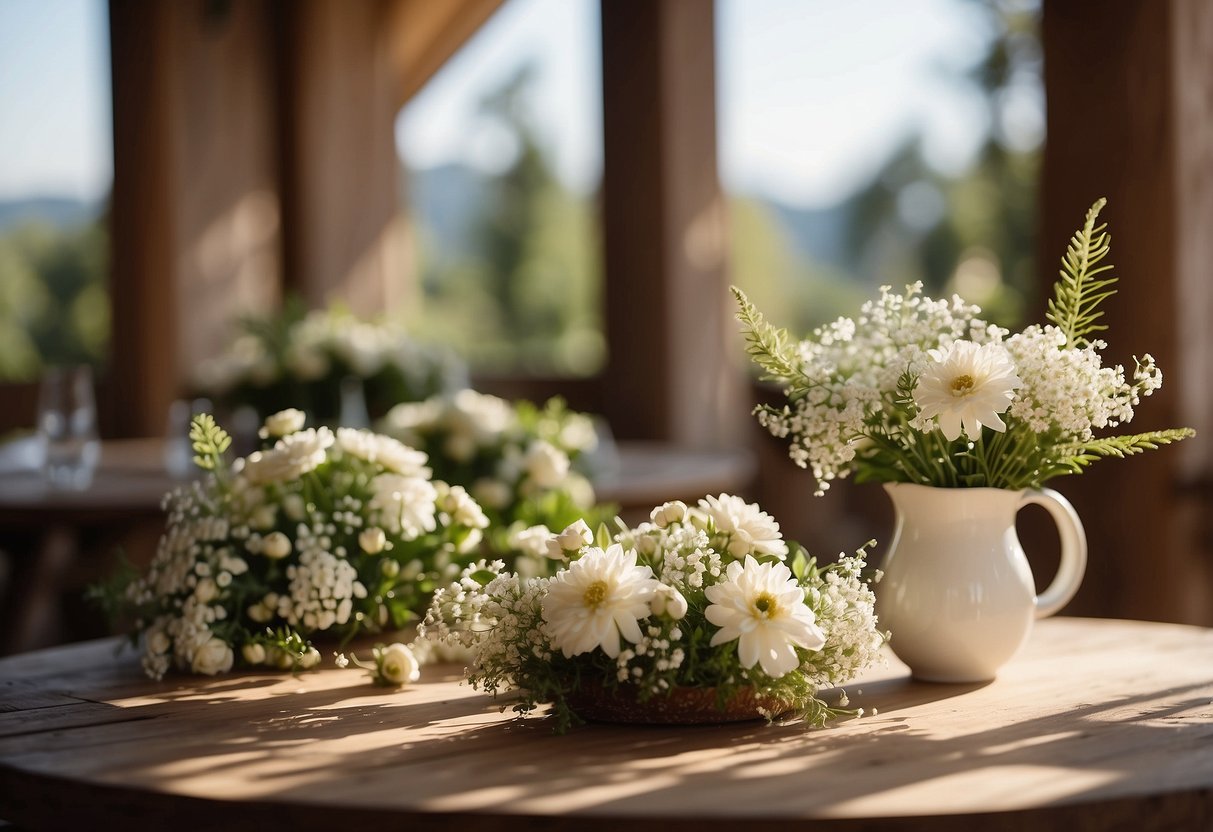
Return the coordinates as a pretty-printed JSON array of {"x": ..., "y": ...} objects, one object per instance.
[
  {"x": 924, "y": 391},
  {"x": 303, "y": 359},
  {"x": 708, "y": 601},
  {"x": 527, "y": 466},
  {"x": 321, "y": 532},
  {"x": 963, "y": 422}
]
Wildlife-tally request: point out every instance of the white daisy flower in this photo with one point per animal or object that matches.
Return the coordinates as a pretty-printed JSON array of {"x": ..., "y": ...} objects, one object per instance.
[
  {"x": 762, "y": 606},
  {"x": 966, "y": 386},
  {"x": 750, "y": 529},
  {"x": 600, "y": 597}
]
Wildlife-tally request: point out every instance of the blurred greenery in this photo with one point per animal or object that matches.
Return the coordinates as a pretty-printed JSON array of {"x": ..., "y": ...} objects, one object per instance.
[
  {"x": 54, "y": 306},
  {"x": 522, "y": 290},
  {"x": 971, "y": 232}
]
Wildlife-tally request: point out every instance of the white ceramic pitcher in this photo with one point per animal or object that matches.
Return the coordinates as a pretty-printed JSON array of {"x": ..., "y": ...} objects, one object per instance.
[{"x": 957, "y": 593}]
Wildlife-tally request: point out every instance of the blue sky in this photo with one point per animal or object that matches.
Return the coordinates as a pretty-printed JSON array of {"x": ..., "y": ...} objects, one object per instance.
[
  {"x": 55, "y": 128},
  {"x": 812, "y": 93}
]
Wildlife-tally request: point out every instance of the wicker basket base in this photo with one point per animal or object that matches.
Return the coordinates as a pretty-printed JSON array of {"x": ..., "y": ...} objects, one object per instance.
[{"x": 681, "y": 706}]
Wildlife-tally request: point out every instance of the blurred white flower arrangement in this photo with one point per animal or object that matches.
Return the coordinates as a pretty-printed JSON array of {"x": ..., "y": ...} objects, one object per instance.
[
  {"x": 925, "y": 391},
  {"x": 528, "y": 467},
  {"x": 327, "y": 532},
  {"x": 706, "y": 598},
  {"x": 322, "y": 360}
]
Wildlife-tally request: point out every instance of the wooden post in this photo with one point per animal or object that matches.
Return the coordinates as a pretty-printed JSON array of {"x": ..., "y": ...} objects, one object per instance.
[
  {"x": 342, "y": 91},
  {"x": 194, "y": 220},
  {"x": 674, "y": 371},
  {"x": 1128, "y": 93}
]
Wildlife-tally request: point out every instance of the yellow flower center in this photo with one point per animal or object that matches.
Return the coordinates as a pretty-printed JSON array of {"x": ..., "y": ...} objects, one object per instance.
[
  {"x": 595, "y": 594},
  {"x": 962, "y": 385},
  {"x": 765, "y": 606}
]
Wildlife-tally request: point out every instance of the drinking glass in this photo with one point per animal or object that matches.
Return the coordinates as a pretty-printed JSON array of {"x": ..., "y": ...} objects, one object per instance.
[{"x": 67, "y": 427}]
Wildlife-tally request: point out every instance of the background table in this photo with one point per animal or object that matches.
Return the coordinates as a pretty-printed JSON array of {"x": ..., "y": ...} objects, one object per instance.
[
  {"x": 44, "y": 530},
  {"x": 1097, "y": 725}
]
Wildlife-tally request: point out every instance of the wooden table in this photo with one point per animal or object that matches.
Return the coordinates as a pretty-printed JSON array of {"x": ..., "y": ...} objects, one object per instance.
[{"x": 1096, "y": 725}]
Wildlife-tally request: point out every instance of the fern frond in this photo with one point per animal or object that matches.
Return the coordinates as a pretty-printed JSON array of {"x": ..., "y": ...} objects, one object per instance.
[
  {"x": 209, "y": 440},
  {"x": 1082, "y": 455},
  {"x": 770, "y": 347},
  {"x": 1078, "y": 293}
]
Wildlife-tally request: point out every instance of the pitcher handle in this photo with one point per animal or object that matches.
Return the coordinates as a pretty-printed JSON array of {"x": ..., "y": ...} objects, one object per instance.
[{"x": 1073, "y": 549}]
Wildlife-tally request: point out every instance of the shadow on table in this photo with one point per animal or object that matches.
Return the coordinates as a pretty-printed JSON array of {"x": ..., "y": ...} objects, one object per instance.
[{"x": 518, "y": 765}]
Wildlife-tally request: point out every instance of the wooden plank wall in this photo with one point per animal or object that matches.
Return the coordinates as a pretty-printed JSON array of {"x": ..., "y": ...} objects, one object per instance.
[{"x": 1129, "y": 116}]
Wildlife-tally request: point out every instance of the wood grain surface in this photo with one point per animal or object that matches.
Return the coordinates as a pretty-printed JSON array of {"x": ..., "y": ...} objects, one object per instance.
[{"x": 1097, "y": 724}]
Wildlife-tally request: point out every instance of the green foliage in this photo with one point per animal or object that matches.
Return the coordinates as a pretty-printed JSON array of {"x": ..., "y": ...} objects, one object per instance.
[
  {"x": 209, "y": 441},
  {"x": 771, "y": 347},
  {"x": 54, "y": 307},
  {"x": 1078, "y": 294},
  {"x": 519, "y": 287},
  {"x": 885, "y": 441}
]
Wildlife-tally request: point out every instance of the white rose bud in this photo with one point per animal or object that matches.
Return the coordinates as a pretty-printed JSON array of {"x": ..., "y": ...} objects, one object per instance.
[
  {"x": 213, "y": 657},
  {"x": 294, "y": 506},
  {"x": 668, "y": 513},
  {"x": 669, "y": 601},
  {"x": 263, "y": 517},
  {"x": 260, "y": 613},
  {"x": 572, "y": 539},
  {"x": 253, "y": 653},
  {"x": 372, "y": 540},
  {"x": 310, "y": 658},
  {"x": 206, "y": 591},
  {"x": 398, "y": 665},
  {"x": 276, "y": 545},
  {"x": 282, "y": 423},
  {"x": 158, "y": 642}
]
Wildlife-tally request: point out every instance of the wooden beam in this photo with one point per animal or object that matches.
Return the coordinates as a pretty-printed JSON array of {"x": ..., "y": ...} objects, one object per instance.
[
  {"x": 1128, "y": 117},
  {"x": 425, "y": 35},
  {"x": 673, "y": 370}
]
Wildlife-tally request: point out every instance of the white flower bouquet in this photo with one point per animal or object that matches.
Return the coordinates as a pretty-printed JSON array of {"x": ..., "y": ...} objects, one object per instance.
[
  {"x": 708, "y": 600},
  {"x": 924, "y": 391},
  {"x": 337, "y": 533},
  {"x": 301, "y": 360},
  {"x": 527, "y": 466}
]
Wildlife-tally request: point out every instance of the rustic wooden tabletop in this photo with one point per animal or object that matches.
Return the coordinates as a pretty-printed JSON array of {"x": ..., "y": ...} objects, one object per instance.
[{"x": 1097, "y": 724}]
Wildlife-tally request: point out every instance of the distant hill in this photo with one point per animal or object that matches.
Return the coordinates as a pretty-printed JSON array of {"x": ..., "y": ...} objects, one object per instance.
[
  {"x": 60, "y": 212},
  {"x": 818, "y": 234},
  {"x": 449, "y": 197}
]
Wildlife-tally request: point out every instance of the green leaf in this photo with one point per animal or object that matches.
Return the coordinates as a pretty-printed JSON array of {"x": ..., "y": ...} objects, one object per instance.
[
  {"x": 1078, "y": 294},
  {"x": 210, "y": 442},
  {"x": 799, "y": 563},
  {"x": 771, "y": 347},
  {"x": 483, "y": 576},
  {"x": 603, "y": 538}
]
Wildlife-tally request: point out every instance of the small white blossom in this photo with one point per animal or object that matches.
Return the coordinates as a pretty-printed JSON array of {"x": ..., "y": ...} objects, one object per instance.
[{"x": 573, "y": 539}]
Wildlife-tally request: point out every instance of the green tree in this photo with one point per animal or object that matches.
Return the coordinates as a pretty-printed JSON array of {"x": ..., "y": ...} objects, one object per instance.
[
  {"x": 53, "y": 300},
  {"x": 523, "y": 293}
]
